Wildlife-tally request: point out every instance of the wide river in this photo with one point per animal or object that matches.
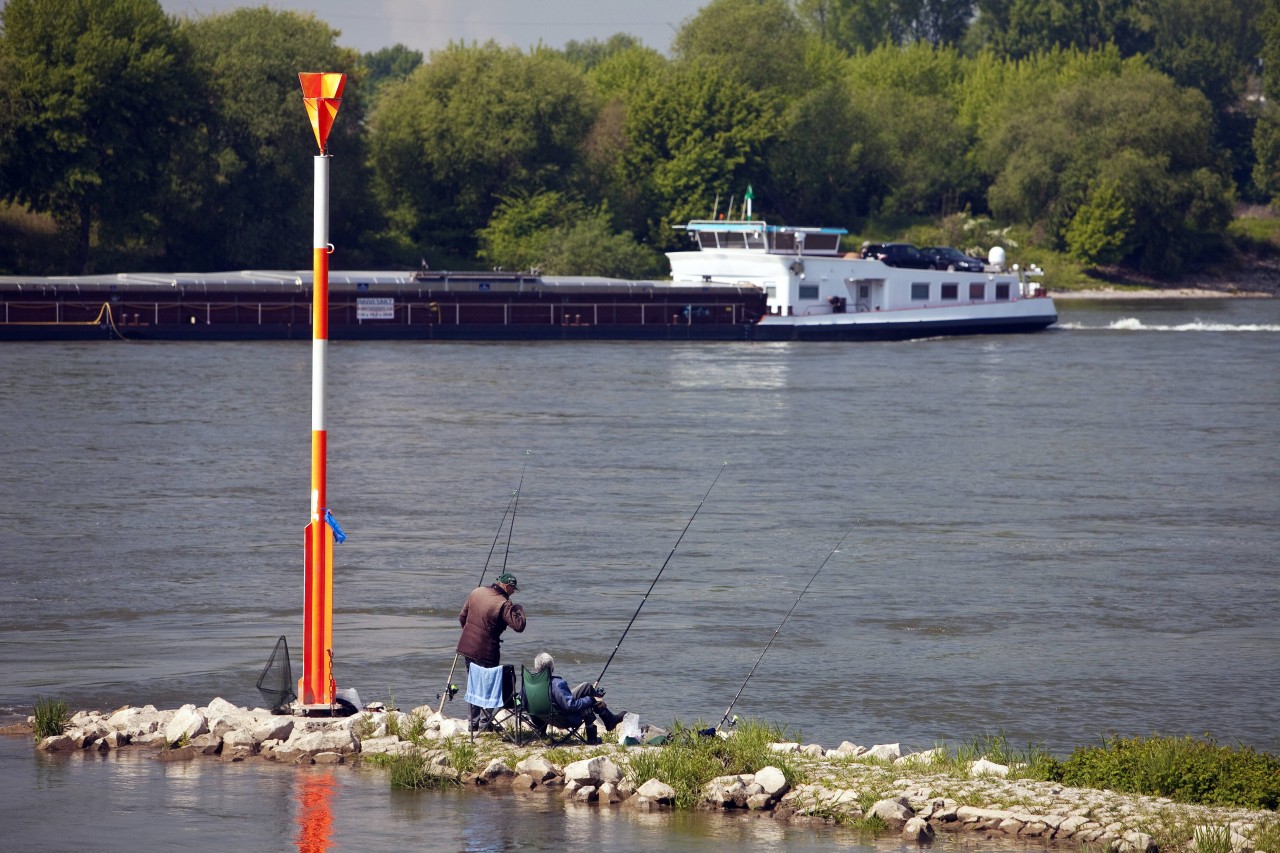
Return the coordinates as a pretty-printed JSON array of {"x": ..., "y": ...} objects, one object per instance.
[{"x": 1052, "y": 536}]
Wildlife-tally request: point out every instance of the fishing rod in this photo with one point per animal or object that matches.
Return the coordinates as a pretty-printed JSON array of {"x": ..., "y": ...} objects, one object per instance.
[
  {"x": 659, "y": 574},
  {"x": 729, "y": 710},
  {"x": 451, "y": 689}
]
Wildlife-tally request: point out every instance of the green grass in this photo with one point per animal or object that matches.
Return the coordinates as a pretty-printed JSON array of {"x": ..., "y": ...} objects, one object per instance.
[
  {"x": 689, "y": 761},
  {"x": 51, "y": 717},
  {"x": 414, "y": 771},
  {"x": 1184, "y": 769}
]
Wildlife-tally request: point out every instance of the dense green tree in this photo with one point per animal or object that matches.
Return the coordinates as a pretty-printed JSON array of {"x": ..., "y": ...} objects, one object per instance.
[
  {"x": 695, "y": 136},
  {"x": 1016, "y": 29},
  {"x": 1102, "y": 230},
  {"x": 387, "y": 65},
  {"x": 96, "y": 99},
  {"x": 250, "y": 184},
  {"x": 761, "y": 44},
  {"x": 472, "y": 125},
  {"x": 912, "y": 99},
  {"x": 1147, "y": 141},
  {"x": 557, "y": 235},
  {"x": 589, "y": 54},
  {"x": 1266, "y": 135},
  {"x": 863, "y": 25}
]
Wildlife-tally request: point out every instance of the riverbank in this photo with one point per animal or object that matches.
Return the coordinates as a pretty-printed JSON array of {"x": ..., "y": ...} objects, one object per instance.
[
  {"x": 1258, "y": 280},
  {"x": 878, "y": 788}
]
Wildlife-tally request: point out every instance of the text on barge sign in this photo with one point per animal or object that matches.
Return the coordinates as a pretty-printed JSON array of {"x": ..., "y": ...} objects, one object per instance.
[{"x": 375, "y": 308}]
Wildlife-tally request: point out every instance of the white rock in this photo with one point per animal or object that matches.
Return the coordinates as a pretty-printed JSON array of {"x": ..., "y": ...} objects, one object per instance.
[
  {"x": 917, "y": 829},
  {"x": 893, "y": 812},
  {"x": 593, "y": 771},
  {"x": 923, "y": 758},
  {"x": 496, "y": 769},
  {"x": 538, "y": 768},
  {"x": 773, "y": 781},
  {"x": 220, "y": 707},
  {"x": 657, "y": 792},
  {"x": 188, "y": 723},
  {"x": 884, "y": 752},
  {"x": 785, "y": 747},
  {"x": 273, "y": 728},
  {"x": 982, "y": 767}
]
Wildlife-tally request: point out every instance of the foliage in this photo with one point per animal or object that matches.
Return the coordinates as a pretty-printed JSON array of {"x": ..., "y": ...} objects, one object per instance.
[
  {"x": 1184, "y": 769},
  {"x": 1101, "y": 231},
  {"x": 863, "y": 25},
  {"x": 691, "y": 760},
  {"x": 244, "y": 189},
  {"x": 52, "y": 716},
  {"x": 557, "y": 236},
  {"x": 694, "y": 137},
  {"x": 1150, "y": 141},
  {"x": 412, "y": 770},
  {"x": 96, "y": 94},
  {"x": 472, "y": 125},
  {"x": 462, "y": 755}
]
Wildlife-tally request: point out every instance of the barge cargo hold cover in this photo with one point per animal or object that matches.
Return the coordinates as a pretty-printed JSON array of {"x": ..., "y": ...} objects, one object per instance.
[{"x": 426, "y": 305}]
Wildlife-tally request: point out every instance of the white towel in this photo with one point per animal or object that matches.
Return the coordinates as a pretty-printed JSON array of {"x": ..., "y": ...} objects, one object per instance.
[{"x": 484, "y": 686}]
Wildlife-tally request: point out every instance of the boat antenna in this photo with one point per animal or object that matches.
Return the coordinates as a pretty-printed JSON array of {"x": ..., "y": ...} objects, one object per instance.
[
  {"x": 451, "y": 689},
  {"x": 729, "y": 710},
  {"x": 715, "y": 208},
  {"x": 659, "y": 574}
]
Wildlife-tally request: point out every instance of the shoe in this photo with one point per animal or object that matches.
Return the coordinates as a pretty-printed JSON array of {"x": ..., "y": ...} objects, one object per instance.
[
  {"x": 593, "y": 737},
  {"x": 611, "y": 719}
]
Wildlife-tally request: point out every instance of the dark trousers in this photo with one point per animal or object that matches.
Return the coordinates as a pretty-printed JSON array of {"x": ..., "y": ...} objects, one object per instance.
[{"x": 477, "y": 717}]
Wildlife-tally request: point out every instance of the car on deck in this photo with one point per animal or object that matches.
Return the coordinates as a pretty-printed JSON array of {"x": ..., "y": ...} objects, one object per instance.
[{"x": 948, "y": 258}]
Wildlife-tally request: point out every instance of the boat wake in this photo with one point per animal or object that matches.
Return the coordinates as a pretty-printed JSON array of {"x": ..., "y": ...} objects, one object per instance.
[{"x": 1131, "y": 324}]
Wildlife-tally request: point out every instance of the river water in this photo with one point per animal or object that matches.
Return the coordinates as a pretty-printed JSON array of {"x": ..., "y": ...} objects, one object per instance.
[{"x": 1051, "y": 536}]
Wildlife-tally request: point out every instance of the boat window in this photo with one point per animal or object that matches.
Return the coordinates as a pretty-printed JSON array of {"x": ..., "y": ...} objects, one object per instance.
[
  {"x": 784, "y": 241},
  {"x": 1002, "y": 291},
  {"x": 827, "y": 244},
  {"x": 771, "y": 292},
  {"x": 950, "y": 290},
  {"x": 977, "y": 292},
  {"x": 920, "y": 292},
  {"x": 808, "y": 291},
  {"x": 864, "y": 291}
]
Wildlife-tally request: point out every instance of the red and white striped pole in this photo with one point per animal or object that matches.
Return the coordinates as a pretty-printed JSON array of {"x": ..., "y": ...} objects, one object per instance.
[{"x": 322, "y": 95}]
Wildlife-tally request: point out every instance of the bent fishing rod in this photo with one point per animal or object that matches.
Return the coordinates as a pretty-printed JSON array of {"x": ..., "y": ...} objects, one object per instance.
[
  {"x": 451, "y": 689},
  {"x": 729, "y": 710},
  {"x": 658, "y": 575}
]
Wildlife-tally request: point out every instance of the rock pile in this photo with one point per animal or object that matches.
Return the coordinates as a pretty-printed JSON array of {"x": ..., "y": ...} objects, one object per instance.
[{"x": 912, "y": 794}]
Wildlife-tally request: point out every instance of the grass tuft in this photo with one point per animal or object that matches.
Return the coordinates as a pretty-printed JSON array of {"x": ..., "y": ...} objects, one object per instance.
[{"x": 52, "y": 716}]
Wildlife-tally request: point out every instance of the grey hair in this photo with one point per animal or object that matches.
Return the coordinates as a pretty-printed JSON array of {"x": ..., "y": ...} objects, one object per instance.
[{"x": 544, "y": 661}]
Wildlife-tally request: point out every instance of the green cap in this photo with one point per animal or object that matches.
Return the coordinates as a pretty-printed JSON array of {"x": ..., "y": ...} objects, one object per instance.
[{"x": 509, "y": 579}]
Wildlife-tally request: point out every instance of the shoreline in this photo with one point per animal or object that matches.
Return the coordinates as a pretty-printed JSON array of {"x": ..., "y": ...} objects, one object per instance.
[{"x": 913, "y": 796}]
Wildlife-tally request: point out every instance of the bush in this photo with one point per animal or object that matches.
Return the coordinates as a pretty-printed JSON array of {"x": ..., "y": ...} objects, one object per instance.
[{"x": 1183, "y": 769}]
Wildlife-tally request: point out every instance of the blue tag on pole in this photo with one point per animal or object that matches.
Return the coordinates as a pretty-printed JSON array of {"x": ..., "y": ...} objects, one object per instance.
[{"x": 338, "y": 535}]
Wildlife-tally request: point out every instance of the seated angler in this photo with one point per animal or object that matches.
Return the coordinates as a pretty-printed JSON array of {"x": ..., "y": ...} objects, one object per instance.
[{"x": 582, "y": 704}]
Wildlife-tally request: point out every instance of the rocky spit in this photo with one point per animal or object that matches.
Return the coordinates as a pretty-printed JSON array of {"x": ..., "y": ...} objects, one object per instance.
[{"x": 915, "y": 794}]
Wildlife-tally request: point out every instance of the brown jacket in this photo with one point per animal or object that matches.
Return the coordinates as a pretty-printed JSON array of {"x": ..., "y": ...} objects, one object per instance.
[{"x": 485, "y": 615}]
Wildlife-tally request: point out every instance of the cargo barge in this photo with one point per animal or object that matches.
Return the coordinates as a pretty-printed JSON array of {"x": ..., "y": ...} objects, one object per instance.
[{"x": 741, "y": 281}]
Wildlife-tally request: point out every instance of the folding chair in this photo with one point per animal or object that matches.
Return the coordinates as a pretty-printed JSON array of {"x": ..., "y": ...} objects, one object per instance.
[{"x": 541, "y": 715}]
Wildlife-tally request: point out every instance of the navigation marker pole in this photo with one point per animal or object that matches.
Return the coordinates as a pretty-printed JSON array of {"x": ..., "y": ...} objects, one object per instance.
[{"x": 321, "y": 95}]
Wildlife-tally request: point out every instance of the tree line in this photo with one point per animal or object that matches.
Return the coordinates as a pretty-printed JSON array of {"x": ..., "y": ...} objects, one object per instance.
[{"x": 1120, "y": 133}]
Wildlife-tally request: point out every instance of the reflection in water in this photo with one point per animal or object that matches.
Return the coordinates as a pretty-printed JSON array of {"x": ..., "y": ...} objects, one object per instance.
[{"x": 315, "y": 818}]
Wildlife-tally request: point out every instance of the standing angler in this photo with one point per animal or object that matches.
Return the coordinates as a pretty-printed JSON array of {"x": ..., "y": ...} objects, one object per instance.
[{"x": 488, "y": 612}]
